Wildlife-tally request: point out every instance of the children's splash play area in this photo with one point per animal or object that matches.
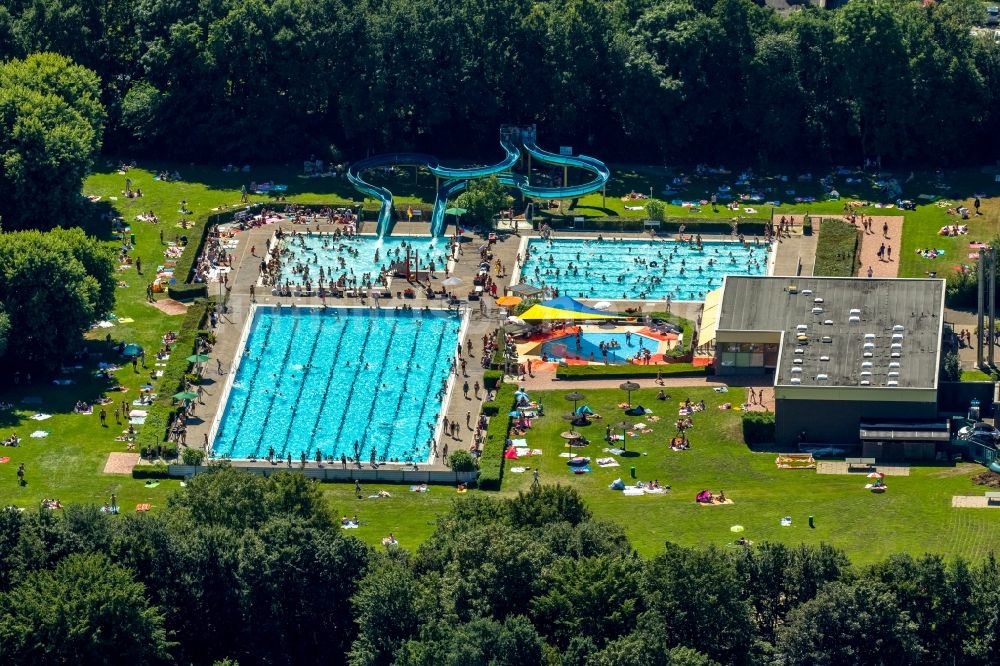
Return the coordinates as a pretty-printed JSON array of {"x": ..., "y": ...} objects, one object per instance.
[
  {"x": 365, "y": 384},
  {"x": 616, "y": 345},
  {"x": 638, "y": 269}
]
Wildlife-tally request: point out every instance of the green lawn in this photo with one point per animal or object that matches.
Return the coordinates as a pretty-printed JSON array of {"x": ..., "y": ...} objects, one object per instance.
[
  {"x": 837, "y": 249},
  {"x": 68, "y": 463}
]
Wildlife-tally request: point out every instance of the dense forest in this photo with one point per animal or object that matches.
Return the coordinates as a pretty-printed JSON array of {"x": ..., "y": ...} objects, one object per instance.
[
  {"x": 256, "y": 570},
  {"x": 640, "y": 80}
]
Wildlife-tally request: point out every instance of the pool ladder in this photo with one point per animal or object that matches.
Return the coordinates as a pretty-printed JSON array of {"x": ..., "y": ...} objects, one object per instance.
[
  {"x": 302, "y": 385},
  {"x": 253, "y": 382},
  {"x": 284, "y": 363}
]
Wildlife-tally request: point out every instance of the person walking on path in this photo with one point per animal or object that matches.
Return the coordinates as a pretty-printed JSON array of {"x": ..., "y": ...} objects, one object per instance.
[
  {"x": 870, "y": 271},
  {"x": 20, "y": 474},
  {"x": 881, "y": 252},
  {"x": 465, "y": 389},
  {"x": 475, "y": 389},
  {"x": 885, "y": 230},
  {"x": 888, "y": 252}
]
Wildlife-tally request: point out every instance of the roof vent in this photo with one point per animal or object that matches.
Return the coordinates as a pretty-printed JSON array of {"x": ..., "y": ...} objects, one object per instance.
[
  {"x": 800, "y": 351},
  {"x": 855, "y": 311},
  {"x": 803, "y": 339},
  {"x": 865, "y": 382},
  {"x": 807, "y": 292},
  {"x": 827, "y": 338},
  {"x": 866, "y": 364},
  {"x": 817, "y": 300},
  {"x": 898, "y": 327},
  {"x": 802, "y": 327},
  {"x": 868, "y": 353},
  {"x": 792, "y": 289},
  {"x": 894, "y": 354},
  {"x": 894, "y": 364},
  {"x": 796, "y": 370},
  {"x": 892, "y": 382},
  {"x": 893, "y": 375},
  {"x": 822, "y": 377},
  {"x": 796, "y": 380},
  {"x": 869, "y": 345},
  {"x": 854, "y": 319},
  {"x": 897, "y": 336},
  {"x": 869, "y": 336},
  {"x": 824, "y": 358},
  {"x": 896, "y": 345},
  {"x": 866, "y": 375},
  {"x": 797, "y": 361},
  {"x": 817, "y": 310},
  {"x": 828, "y": 322}
]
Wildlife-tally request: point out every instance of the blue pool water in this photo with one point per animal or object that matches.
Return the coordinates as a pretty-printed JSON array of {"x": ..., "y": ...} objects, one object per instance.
[
  {"x": 638, "y": 269},
  {"x": 590, "y": 343},
  {"x": 354, "y": 257},
  {"x": 314, "y": 378}
]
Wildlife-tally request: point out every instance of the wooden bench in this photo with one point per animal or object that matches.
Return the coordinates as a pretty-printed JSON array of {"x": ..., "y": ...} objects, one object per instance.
[
  {"x": 867, "y": 463},
  {"x": 993, "y": 498}
]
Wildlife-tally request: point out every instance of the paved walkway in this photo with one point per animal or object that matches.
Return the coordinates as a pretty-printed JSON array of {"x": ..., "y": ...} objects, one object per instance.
[
  {"x": 871, "y": 242},
  {"x": 121, "y": 463},
  {"x": 834, "y": 467},
  {"x": 972, "y": 502},
  {"x": 796, "y": 252}
]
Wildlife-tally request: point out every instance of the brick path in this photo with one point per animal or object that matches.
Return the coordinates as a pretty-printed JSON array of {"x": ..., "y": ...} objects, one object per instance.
[{"x": 871, "y": 242}]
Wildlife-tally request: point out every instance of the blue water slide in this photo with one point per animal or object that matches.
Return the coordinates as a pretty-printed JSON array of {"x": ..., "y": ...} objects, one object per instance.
[
  {"x": 601, "y": 174},
  {"x": 378, "y": 192},
  {"x": 447, "y": 190}
]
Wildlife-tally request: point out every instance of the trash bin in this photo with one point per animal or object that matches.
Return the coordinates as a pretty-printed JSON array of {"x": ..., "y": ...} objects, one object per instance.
[
  {"x": 632, "y": 471},
  {"x": 133, "y": 239},
  {"x": 811, "y": 522}
]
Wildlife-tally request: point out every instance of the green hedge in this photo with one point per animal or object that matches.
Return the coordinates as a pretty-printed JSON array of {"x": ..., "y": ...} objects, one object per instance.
[
  {"x": 156, "y": 471},
  {"x": 491, "y": 461},
  {"x": 837, "y": 250},
  {"x": 686, "y": 326},
  {"x": 627, "y": 371},
  {"x": 158, "y": 415},
  {"x": 758, "y": 427},
  {"x": 491, "y": 378}
]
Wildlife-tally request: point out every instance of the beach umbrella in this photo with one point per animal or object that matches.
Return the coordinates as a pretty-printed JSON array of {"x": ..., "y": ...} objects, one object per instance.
[
  {"x": 736, "y": 528},
  {"x": 508, "y": 301},
  {"x": 602, "y": 305},
  {"x": 455, "y": 211},
  {"x": 876, "y": 475},
  {"x": 197, "y": 358},
  {"x": 132, "y": 351},
  {"x": 628, "y": 387},
  {"x": 451, "y": 282},
  {"x": 185, "y": 395},
  {"x": 574, "y": 397}
]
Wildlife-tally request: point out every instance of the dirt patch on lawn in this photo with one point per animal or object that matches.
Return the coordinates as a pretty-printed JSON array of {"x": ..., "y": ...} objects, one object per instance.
[
  {"x": 170, "y": 306},
  {"x": 121, "y": 463},
  {"x": 990, "y": 479}
]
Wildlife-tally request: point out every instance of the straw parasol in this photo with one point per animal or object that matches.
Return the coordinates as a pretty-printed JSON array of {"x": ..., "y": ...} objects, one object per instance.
[{"x": 628, "y": 387}]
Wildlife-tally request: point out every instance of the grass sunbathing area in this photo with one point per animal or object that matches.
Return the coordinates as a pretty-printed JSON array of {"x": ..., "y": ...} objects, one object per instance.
[
  {"x": 914, "y": 515},
  {"x": 68, "y": 463}
]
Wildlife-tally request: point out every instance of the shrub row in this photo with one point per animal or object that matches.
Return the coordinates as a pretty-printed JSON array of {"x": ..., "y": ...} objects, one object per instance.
[
  {"x": 491, "y": 461},
  {"x": 758, "y": 427},
  {"x": 158, "y": 418},
  {"x": 155, "y": 471},
  {"x": 627, "y": 371},
  {"x": 491, "y": 378}
]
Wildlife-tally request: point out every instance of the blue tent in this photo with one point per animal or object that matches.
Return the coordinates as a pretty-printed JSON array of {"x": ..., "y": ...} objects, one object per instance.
[{"x": 567, "y": 303}]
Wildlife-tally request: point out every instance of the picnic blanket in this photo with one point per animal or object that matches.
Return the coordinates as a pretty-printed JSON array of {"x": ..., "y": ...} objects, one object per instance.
[
  {"x": 40, "y": 417},
  {"x": 143, "y": 507},
  {"x": 633, "y": 492},
  {"x": 38, "y": 434},
  {"x": 607, "y": 462}
]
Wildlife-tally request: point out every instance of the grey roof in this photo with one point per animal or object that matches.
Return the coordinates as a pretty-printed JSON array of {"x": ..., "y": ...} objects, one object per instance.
[{"x": 836, "y": 343}]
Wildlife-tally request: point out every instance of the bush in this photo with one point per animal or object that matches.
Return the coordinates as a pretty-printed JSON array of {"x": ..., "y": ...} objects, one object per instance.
[
  {"x": 837, "y": 251},
  {"x": 491, "y": 378},
  {"x": 160, "y": 413},
  {"x": 187, "y": 292},
  {"x": 155, "y": 471},
  {"x": 962, "y": 289},
  {"x": 758, "y": 427},
  {"x": 461, "y": 461},
  {"x": 807, "y": 226},
  {"x": 490, "y": 408},
  {"x": 193, "y": 456},
  {"x": 491, "y": 461},
  {"x": 627, "y": 371}
]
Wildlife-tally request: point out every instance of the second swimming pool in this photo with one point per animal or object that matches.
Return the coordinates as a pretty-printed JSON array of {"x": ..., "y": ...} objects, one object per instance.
[
  {"x": 638, "y": 269},
  {"x": 343, "y": 381}
]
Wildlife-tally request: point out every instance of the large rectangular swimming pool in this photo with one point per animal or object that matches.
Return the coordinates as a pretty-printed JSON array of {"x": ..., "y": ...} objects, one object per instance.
[
  {"x": 638, "y": 269},
  {"x": 340, "y": 380}
]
